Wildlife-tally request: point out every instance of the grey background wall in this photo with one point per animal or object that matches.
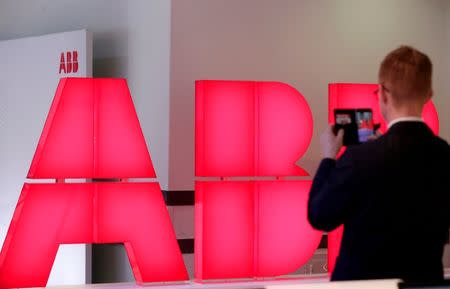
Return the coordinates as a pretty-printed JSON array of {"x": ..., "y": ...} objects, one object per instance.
[
  {"x": 306, "y": 44},
  {"x": 163, "y": 46}
]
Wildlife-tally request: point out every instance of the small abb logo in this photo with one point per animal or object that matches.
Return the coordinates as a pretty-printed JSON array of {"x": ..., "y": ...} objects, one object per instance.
[{"x": 68, "y": 62}]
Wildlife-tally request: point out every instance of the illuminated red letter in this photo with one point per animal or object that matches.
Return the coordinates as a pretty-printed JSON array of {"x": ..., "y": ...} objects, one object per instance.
[
  {"x": 92, "y": 131},
  {"x": 359, "y": 95},
  {"x": 62, "y": 63},
  {"x": 251, "y": 228},
  {"x": 75, "y": 61},
  {"x": 69, "y": 61}
]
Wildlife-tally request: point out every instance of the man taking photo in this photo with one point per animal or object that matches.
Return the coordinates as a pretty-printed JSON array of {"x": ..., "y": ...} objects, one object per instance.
[{"x": 391, "y": 194}]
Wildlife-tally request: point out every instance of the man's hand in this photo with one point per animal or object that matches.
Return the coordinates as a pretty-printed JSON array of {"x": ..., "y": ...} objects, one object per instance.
[
  {"x": 331, "y": 143},
  {"x": 376, "y": 135}
]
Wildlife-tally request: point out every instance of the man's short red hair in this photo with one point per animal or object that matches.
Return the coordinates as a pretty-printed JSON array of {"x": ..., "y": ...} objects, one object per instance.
[{"x": 406, "y": 72}]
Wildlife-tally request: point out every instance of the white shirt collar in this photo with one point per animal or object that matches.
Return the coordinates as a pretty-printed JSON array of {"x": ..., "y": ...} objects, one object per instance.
[{"x": 406, "y": 118}]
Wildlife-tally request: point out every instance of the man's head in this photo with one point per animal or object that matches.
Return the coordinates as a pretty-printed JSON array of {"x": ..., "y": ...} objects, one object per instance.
[{"x": 405, "y": 82}]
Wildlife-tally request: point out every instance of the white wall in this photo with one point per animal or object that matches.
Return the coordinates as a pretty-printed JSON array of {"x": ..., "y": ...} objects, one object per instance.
[
  {"x": 148, "y": 76},
  {"x": 35, "y": 61},
  {"x": 306, "y": 44}
]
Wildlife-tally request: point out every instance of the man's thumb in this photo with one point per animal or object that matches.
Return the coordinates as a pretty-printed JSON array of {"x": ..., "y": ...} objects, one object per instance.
[{"x": 340, "y": 134}]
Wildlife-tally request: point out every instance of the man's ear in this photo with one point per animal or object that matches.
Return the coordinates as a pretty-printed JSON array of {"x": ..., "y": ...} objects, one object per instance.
[{"x": 384, "y": 97}]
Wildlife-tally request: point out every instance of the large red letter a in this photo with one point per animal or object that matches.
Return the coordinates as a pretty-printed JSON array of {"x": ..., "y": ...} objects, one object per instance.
[{"x": 92, "y": 132}]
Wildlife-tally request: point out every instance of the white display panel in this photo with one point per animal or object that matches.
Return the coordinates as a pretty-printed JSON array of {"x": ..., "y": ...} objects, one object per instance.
[{"x": 30, "y": 69}]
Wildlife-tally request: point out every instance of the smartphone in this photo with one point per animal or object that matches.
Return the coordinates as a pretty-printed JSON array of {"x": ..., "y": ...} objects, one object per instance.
[{"x": 357, "y": 124}]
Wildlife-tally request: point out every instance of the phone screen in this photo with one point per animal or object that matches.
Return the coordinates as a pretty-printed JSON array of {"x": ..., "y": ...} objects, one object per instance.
[
  {"x": 357, "y": 124},
  {"x": 346, "y": 119},
  {"x": 343, "y": 118},
  {"x": 364, "y": 121}
]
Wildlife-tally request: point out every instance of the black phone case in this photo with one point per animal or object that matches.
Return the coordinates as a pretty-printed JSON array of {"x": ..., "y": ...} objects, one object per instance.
[{"x": 350, "y": 130}]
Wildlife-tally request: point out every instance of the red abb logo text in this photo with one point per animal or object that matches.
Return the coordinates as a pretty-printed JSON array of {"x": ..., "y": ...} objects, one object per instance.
[
  {"x": 250, "y": 204},
  {"x": 68, "y": 62},
  {"x": 244, "y": 228}
]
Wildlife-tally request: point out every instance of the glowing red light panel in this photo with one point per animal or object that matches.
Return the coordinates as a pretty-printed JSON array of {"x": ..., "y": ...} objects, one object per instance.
[
  {"x": 248, "y": 228},
  {"x": 252, "y": 228},
  {"x": 358, "y": 95},
  {"x": 48, "y": 215},
  {"x": 92, "y": 131},
  {"x": 240, "y": 126}
]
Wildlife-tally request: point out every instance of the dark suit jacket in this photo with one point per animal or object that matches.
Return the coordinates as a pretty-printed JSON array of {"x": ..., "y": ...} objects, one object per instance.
[{"x": 393, "y": 197}]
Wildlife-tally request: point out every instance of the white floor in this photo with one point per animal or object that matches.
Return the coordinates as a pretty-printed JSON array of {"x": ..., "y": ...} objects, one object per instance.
[
  {"x": 313, "y": 283},
  {"x": 320, "y": 282}
]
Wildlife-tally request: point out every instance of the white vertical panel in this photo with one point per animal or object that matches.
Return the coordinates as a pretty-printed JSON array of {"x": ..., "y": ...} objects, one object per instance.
[{"x": 29, "y": 76}]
